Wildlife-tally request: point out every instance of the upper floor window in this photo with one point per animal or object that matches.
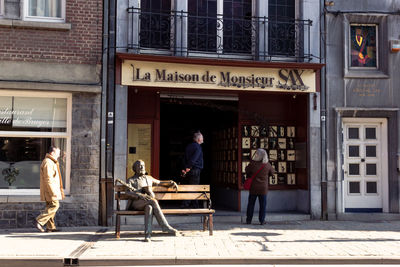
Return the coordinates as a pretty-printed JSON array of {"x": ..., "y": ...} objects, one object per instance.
[
  {"x": 282, "y": 27},
  {"x": 44, "y": 10},
  {"x": 155, "y": 23},
  {"x": 202, "y": 20},
  {"x": 363, "y": 45},
  {"x": 226, "y": 29}
]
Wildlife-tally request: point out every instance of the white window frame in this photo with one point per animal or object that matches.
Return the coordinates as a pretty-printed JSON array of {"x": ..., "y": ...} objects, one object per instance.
[
  {"x": 1, "y": 8},
  {"x": 66, "y": 135},
  {"x": 44, "y": 19}
]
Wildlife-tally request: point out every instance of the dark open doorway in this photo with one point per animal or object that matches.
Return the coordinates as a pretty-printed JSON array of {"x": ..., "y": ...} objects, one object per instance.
[{"x": 179, "y": 119}]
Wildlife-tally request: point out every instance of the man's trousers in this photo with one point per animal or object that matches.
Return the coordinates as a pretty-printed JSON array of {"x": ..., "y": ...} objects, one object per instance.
[{"x": 47, "y": 216}]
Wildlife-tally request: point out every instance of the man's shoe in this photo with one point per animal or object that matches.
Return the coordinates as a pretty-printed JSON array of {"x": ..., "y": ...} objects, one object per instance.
[
  {"x": 53, "y": 230},
  {"x": 264, "y": 222},
  {"x": 39, "y": 226}
]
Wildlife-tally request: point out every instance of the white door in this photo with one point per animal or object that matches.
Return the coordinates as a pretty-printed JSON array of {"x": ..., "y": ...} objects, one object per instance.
[{"x": 365, "y": 165}]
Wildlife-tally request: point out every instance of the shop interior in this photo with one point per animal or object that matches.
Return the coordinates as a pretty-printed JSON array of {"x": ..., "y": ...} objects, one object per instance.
[{"x": 180, "y": 117}]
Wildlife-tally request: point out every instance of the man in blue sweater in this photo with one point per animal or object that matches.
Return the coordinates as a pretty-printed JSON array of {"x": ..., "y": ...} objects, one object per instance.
[{"x": 193, "y": 163}]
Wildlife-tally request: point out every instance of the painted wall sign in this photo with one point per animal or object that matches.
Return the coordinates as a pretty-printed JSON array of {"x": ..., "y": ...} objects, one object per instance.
[{"x": 158, "y": 74}]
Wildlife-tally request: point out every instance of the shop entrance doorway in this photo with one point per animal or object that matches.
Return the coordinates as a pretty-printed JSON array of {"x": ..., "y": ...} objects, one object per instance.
[{"x": 180, "y": 117}]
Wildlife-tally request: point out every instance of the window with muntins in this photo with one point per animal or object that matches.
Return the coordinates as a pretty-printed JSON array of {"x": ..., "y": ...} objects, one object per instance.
[
  {"x": 155, "y": 24},
  {"x": 282, "y": 27},
  {"x": 202, "y": 25},
  {"x": 44, "y": 10},
  {"x": 237, "y": 26}
]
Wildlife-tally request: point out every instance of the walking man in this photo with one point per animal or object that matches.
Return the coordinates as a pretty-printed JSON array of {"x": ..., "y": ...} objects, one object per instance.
[{"x": 51, "y": 190}]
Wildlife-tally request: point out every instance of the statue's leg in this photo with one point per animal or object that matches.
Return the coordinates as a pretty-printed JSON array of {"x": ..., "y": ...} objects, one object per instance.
[
  {"x": 162, "y": 221},
  {"x": 148, "y": 222}
]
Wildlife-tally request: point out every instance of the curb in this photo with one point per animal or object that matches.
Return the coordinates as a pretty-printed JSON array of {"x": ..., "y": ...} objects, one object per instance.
[{"x": 107, "y": 261}]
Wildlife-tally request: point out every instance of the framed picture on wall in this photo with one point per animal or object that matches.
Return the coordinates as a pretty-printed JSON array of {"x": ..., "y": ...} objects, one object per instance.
[
  {"x": 290, "y": 143},
  {"x": 244, "y": 165},
  {"x": 273, "y": 131},
  {"x": 281, "y": 178},
  {"x": 255, "y": 131},
  {"x": 282, "y": 168},
  {"x": 246, "y": 155},
  {"x": 273, "y": 155},
  {"x": 291, "y": 131},
  {"x": 263, "y": 131},
  {"x": 281, "y": 155},
  {"x": 264, "y": 142},
  {"x": 253, "y": 152},
  {"x": 290, "y": 166},
  {"x": 273, "y": 179},
  {"x": 272, "y": 143},
  {"x": 246, "y": 132},
  {"x": 273, "y": 164},
  {"x": 255, "y": 143},
  {"x": 246, "y": 142},
  {"x": 291, "y": 178},
  {"x": 291, "y": 155},
  {"x": 281, "y": 131},
  {"x": 282, "y": 143}
]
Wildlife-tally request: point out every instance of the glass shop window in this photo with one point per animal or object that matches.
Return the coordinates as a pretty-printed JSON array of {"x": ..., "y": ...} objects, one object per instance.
[
  {"x": 28, "y": 127},
  {"x": 363, "y": 46}
]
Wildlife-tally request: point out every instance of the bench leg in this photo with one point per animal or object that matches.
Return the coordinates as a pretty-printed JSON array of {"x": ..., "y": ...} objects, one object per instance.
[
  {"x": 118, "y": 226},
  {"x": 205, "y": 223},
  {"x": 210, "y": 224}
]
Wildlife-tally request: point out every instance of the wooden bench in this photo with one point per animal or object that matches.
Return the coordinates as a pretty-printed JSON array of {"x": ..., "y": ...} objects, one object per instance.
[{"x": 185, "y": 192}]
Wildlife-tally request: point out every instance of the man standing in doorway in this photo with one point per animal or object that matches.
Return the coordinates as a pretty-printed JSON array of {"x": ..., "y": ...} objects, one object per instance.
[
  {"x": 193, "y": 163},
  {"x": 51, "y": 190}
]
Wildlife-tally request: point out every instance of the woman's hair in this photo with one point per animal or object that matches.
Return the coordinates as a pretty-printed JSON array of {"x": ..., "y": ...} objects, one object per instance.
[{"x": 261, "y": 155}]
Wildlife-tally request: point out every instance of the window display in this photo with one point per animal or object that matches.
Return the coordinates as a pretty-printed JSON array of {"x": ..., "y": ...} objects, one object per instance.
[
  {"x": 28, "y": 127},
  {"x": 279, "y": 142}
]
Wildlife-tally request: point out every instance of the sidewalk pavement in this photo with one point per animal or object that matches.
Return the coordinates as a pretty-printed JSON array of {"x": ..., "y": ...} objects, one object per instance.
[{"x": 292, "y": 242}]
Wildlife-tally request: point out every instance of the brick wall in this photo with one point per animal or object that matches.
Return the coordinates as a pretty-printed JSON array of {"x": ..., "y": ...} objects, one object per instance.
[{"x": 80, "y": 45}]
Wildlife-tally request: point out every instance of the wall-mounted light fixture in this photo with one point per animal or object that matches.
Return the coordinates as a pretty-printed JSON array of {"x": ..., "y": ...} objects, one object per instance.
[{"x": 329, "y": 3}]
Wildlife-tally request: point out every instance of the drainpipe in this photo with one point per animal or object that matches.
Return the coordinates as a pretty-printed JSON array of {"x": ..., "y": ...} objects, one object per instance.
[
  {"x": 109, "y": 170},
  {"x": 107, "y": 114},
  {"x": 324, "y": 183},
  {"x": 102, "y": 196}
]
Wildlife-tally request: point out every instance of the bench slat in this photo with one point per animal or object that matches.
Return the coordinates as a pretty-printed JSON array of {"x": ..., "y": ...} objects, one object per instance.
[
  {"x": 168, "y": 211},
  {"x": 173, "y": 196},
  {"x": 182, "y": 188}
]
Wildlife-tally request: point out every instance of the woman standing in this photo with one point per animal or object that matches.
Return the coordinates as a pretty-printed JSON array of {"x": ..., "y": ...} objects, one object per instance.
[{"x": 261, "y": 170}]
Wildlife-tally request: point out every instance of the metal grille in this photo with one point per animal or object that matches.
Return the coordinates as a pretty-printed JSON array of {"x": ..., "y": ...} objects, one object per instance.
[
  {"x": 228, "y": 35},
  {"x": 155, "y": 24}
]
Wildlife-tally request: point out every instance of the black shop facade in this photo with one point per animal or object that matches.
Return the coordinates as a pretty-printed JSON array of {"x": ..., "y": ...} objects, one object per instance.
[{"x": 238, "y": 106}]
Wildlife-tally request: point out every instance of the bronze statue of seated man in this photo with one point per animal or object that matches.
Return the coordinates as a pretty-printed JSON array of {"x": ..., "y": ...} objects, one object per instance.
[{"x": 139, "y": 188}]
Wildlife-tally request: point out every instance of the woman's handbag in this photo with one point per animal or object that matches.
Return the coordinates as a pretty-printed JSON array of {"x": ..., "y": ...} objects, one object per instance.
[{"x": 248, "y": 182}]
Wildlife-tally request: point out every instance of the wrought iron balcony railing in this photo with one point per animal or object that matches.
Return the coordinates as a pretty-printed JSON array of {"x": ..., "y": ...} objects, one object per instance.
[{"x": 256, "y": 38}]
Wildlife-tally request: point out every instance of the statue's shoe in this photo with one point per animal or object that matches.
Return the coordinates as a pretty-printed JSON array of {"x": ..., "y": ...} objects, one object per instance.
[{"x": 171, "y": 231}]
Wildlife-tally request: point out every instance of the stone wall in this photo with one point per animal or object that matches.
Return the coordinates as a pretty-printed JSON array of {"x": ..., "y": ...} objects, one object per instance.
[{"x": 80, "y": 208}]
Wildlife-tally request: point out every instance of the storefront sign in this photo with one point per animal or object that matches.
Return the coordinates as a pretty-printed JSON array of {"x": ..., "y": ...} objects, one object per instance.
[{"x": 156, "y": 74}]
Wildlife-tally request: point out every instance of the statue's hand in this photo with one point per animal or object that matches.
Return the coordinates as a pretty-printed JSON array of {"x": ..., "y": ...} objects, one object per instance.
[
  {"x": 144, "y": 196},
  {"x": 174, "y": 185}
]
